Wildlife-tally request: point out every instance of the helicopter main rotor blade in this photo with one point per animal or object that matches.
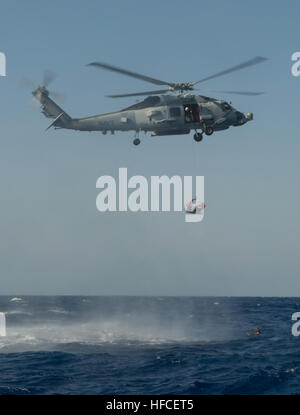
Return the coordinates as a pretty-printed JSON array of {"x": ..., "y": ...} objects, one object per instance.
[
  {"x": 27, "y": 83},
  {"x": 137, "y": 94},
  {"x": 49, "y": 77},
  {"x": 129, "y": 73},
  {"x": 249, "y": 93},
  {"x": 251, "y": 62}
]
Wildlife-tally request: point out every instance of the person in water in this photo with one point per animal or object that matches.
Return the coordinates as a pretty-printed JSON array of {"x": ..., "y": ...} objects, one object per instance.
[{"x": 257, "y": 332}]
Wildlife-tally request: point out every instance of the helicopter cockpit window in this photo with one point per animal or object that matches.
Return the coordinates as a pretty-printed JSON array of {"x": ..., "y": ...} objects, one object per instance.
[
  {"x": 175, "y": 112},
  {"x": 226, "y": 106},
  {"x": 148, "y": 102}
]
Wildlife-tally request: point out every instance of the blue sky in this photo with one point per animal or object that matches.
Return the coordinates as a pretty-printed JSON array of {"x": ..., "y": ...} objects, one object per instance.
[{"x": 53, "y": 240}]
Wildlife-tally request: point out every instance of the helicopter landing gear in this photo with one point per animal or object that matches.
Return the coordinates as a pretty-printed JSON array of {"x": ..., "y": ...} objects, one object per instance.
[
  {"x": 198, "y": 136},
  {"x": 209, "y": 130},
  {"x": 136, "y": 140}
]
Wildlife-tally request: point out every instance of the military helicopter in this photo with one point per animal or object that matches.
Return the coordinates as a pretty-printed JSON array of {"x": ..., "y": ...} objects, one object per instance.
[{"x": 160, "y": 113}]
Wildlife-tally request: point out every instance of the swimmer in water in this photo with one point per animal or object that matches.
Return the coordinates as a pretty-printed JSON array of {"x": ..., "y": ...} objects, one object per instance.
[
  {"x": 250, "y": 332},
  {"x": 258, "y": 332}
]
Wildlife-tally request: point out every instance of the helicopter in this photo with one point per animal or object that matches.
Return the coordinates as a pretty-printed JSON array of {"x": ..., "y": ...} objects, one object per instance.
[{"x": 170, "y": 111}]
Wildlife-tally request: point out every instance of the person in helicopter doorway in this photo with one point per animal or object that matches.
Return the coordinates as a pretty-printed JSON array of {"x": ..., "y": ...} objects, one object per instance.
[{"x": 188, "y": 114}]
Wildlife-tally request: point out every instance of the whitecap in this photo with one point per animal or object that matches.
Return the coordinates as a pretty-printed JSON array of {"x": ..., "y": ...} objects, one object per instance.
[
  {"x": 18, "y": 312},
  {"x": 16, "y": 299},
  {"x": 58, "y": 311}
]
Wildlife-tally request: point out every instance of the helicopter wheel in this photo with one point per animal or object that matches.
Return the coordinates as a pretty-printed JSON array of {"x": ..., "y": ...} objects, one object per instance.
[
  {"x": 209, "y": 130},
  {"x": 198, "y": 137},
  {"x": 136, "y": 141}
]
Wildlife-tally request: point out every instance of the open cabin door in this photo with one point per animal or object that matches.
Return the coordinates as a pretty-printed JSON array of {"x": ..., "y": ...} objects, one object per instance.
[{"x": 191, "y": 113}]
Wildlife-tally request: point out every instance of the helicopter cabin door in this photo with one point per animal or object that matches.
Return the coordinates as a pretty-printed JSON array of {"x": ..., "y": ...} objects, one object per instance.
[{"x": 191, "y": 113}]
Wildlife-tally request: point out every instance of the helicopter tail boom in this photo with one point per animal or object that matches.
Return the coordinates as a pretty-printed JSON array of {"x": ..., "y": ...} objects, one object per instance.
[{"x": 51, "y": 110}]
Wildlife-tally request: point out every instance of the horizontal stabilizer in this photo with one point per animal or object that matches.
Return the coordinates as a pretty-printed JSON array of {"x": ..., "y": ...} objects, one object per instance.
[{"x": 56, "y": 119}]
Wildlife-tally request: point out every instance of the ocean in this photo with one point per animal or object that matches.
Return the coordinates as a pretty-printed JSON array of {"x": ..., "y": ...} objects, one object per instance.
[{"x": 149, "y": 345}]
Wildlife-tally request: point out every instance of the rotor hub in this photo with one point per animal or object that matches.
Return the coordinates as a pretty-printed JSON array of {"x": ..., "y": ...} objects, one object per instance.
[{"x": 183, "y": 86}]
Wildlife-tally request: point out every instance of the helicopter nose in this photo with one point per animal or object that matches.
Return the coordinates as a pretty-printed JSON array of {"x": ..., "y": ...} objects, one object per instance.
[{"x": 238, "y": 118}]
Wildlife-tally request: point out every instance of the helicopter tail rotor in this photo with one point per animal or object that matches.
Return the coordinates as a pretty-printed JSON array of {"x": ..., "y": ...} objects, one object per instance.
[
  {"x": 48, "y": 78},
  {"x": 48, "y": 107}
]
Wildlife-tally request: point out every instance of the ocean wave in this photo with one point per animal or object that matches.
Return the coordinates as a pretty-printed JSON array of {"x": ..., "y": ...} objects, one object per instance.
[
  {"x": 16, "y": 300},
  {"x": 58, "y": 311},
  {"x": 9, "y": 390},
  {"x": 18, "y": 312},
  {"x": 266, "y": 381}
]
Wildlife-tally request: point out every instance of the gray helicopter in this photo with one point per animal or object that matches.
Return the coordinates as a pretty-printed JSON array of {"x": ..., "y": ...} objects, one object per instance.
[{"x": 176, "y": 113}]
